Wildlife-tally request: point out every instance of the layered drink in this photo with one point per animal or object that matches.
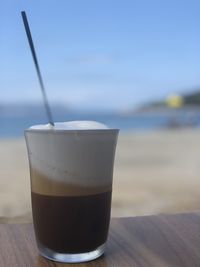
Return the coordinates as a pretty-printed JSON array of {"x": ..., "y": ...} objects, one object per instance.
[{"x": 71, "y": 169}]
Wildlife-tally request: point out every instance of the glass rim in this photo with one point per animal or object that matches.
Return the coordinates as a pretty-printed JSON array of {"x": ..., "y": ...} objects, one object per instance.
[{"x": 57, "y": 131}]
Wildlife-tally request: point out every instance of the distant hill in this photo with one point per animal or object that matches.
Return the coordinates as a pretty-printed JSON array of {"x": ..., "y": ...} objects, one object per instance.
[
  {"x": 192, "y": 99},
  {"x": 186, "y": 101}
]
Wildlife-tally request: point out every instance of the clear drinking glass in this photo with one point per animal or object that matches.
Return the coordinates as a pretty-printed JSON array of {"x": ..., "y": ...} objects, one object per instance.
[{"x": 71, "y": 187}]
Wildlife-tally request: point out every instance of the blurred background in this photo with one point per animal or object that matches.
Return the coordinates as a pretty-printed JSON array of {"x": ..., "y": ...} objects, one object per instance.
[{"x": 130, "y": 64}]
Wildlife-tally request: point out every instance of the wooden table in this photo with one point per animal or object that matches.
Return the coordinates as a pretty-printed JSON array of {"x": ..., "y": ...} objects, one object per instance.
[{"x": 164, "y": 240}]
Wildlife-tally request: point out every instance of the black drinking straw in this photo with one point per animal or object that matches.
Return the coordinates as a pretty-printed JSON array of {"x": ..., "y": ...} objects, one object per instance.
[{"x": 30, "y": 40}]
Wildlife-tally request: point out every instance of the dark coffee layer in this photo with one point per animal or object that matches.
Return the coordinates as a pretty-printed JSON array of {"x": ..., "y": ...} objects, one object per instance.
[
  {"x": 68, "y": 224},
  {"x": 44, "y": 185}
]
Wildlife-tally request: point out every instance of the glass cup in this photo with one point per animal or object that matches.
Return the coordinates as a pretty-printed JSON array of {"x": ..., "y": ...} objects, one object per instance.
[{"x": 71, "y": 187}]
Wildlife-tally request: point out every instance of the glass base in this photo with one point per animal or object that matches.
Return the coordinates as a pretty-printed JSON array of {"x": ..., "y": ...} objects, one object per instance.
[{"x": 71, "y": 258}]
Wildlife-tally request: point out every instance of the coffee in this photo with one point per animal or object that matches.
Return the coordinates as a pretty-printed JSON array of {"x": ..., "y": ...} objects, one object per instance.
[
  {"x": 71, "y": 224},
  {"x": 69, "y": 218},
  {"x": 71, "y": 186}
]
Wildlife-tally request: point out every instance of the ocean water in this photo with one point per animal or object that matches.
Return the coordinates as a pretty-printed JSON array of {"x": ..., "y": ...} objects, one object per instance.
[{"x": 14, "y": 124}]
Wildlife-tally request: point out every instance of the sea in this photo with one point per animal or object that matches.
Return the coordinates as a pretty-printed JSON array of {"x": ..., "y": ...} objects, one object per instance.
[{"x": 14, "y": 121}]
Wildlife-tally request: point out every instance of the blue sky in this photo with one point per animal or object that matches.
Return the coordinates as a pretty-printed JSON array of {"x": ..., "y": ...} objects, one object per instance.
[{"x": 104, "y": 54}]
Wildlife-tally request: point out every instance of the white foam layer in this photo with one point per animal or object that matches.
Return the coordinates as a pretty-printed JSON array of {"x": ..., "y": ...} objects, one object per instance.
[
  {"x": 76, "y": 158},
  {"x": 71, "y": 125}
]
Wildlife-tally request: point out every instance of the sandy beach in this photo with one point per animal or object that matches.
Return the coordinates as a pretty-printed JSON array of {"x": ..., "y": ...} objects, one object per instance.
[{"x": 156, "y": 172}]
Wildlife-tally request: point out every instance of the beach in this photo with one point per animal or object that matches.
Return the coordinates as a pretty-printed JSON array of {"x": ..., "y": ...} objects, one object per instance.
[{"x": 155, "y": 172}]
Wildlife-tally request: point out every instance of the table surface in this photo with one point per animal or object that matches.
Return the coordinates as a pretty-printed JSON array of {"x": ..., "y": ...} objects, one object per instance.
[{"x": 164, "y": 240}]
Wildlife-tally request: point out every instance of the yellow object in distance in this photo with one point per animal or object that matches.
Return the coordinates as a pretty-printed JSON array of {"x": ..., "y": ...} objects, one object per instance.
[{"x": 175, "y": 101}]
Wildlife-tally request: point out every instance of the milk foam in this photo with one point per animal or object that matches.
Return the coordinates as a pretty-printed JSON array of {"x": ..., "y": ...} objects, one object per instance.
[
  {"x": 71, "y": 125},
  {"x": 76, "y": 158}
]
